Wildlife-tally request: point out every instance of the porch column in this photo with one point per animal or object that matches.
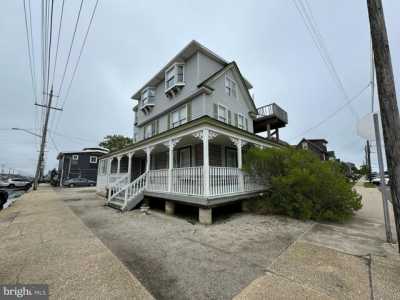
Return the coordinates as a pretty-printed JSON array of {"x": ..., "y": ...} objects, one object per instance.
[
  {"x": 108, "y": 170},
  {"x": 171, "y": 145},
  {"x": 148, "y": 156},
  {"x": 239, "y": 144},
  {"x": 119, "y": 164},
  {"x": 206, "y": 163},
  {"x": 130, "y": 154},
  {"x": 239, "y": 153}
]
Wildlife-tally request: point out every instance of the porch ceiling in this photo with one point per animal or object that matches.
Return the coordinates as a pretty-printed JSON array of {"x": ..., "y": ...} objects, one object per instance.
[{"x": 186, "y": 130}]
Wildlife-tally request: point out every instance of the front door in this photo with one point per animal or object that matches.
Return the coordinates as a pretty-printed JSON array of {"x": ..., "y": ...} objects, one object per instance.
[{"x": 138, "y": 167}]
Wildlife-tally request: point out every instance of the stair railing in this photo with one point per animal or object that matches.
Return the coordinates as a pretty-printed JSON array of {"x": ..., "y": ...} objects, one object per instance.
[
  {"x": 135, "y": 187},
  {"x": 115, "y": 188}
]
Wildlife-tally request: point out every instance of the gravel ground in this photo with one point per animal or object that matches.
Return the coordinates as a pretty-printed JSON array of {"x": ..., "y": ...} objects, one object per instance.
[
  {"x": 248, "y": 256},
  {"x": 175, "y": 258}
]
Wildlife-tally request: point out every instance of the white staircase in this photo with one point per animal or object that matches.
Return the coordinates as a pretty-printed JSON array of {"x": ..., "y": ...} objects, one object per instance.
[{"x": 125, "y": 195}]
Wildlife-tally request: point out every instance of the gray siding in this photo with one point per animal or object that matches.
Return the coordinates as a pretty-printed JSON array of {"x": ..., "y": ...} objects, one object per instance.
[
  {"x": 235, "y": 105},
  {"x": 197, "y": 68}
]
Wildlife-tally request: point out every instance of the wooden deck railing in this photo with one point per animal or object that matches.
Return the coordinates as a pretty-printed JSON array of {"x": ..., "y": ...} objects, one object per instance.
[{"x": 272, "y": 109}]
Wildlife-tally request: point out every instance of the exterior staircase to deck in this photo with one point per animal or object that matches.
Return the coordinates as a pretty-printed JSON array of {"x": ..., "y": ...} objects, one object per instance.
[{"x": 125, "y": 195}]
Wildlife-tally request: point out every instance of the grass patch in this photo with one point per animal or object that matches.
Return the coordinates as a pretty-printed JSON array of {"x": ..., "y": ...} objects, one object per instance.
[{"x": 369, "y": 185}]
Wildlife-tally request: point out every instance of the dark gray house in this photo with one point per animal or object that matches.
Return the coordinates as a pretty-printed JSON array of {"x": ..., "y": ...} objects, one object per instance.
[
  {"x": 317, "y": 146},
  {"x": 79, "y": 164}
]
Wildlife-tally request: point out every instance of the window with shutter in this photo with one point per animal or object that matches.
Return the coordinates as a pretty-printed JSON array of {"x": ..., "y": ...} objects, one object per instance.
[
  {"x": 215, "y": 108},
  {"x": 222, "y": 113}
]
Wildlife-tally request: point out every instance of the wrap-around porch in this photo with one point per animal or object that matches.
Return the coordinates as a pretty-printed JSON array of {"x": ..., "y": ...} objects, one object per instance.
[{"x": 202, "y": 164}]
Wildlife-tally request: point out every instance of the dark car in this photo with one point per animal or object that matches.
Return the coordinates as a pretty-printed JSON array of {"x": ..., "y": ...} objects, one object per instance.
[
  {"x": 3, "y": 198},
  {"x": 78, "y": 182}
]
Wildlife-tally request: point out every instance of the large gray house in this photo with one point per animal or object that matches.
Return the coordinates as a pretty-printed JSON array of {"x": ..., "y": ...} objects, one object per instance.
[{"x": 192, "y": 122}]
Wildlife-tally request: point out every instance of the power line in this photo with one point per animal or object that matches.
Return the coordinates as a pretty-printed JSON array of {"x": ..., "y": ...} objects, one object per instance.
[
  {"x": 58, "y": 42},
  {"x": 77, "y": 62},
  {"x": 70, "y": 48},
  {"x": 312, "y": 27},
  {"x": 80, "y": 52},
  {"x": 31, "y": 65},
  {"x": 333, "y": 113},
  {"x": 50, "y": 39}
]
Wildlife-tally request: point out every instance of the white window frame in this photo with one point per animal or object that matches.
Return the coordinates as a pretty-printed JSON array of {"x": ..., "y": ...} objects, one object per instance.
[
  {"x": 174, "y": 70},
  {"x": 230, "y": 86},
  {"x": 147, "y": 93},
  {"x": 240, "y": 117},
  {"x": 182, "y": 119},
  {"x": 150, "y": 125},
  {"x": 75, "y": 157},
  {"x": 223, "y": 118},
  {"x": 91, "y": 159},
  {"x": 304, "y": 145}
]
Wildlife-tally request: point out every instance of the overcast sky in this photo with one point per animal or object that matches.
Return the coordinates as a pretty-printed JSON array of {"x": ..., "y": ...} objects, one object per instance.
[{"x": 131, "y": 40}]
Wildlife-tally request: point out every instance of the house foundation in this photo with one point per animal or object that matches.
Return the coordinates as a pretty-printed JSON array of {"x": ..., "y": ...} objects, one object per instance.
[
  {"x": 205, "y": 216},
  {"x": 169, "y": 207}
]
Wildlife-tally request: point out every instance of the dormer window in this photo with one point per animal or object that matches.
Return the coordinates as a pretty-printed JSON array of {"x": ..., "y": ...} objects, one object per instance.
[
  {"x": 147, "y": 99},
  {"x": 174, "y": 79}
]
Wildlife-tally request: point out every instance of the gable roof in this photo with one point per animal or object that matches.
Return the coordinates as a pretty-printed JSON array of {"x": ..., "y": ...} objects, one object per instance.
[
  {"x": 313, "y": 144},
  {"x": 216, "y": 75},
  {"x": 184, "y": 55}
]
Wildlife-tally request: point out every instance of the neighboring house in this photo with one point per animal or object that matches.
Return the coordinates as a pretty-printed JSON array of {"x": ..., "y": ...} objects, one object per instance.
[
  {"x": 79, "y": 164},
  {"x": 317, "y": 146},
  {"x": 193, "y": 121}
]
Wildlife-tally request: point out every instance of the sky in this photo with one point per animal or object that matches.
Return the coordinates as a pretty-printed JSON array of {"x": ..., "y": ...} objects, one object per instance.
[{"x": 130, "y": 41}]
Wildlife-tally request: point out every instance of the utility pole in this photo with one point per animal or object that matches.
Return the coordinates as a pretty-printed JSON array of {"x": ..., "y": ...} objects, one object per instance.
[
  {"x": 387, "y": 102},
  {"x": 368, "y": 160},
  {"x": 382, "y": 186},
  {"x": 43, "y": 143}
]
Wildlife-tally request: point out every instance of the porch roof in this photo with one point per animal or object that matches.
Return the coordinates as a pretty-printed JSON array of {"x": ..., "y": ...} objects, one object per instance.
[{"x": 192, "y": 126}]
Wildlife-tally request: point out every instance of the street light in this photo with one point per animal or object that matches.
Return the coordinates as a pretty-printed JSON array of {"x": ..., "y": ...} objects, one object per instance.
[{"x": 27, "y": 131}]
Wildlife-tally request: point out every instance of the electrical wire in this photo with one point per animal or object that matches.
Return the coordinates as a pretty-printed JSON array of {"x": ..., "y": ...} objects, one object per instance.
[
  {"x": 330, "y": 116},
  {"x": 312, "y": 26}
]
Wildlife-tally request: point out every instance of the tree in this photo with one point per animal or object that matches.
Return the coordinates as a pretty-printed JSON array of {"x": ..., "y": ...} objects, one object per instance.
[
  {"x": 115, "y": 142},
  {"x": 300, "y": 185}
]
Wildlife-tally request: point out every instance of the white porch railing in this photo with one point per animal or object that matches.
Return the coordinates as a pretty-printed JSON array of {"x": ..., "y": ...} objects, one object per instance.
[
  {"x": 188, "y": 181},
  {"x": 225, "y": 180},
  {"x": 157, "y": 180}
]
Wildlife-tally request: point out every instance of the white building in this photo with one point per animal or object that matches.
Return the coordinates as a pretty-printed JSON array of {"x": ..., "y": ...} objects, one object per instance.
[{"x": 193, "y": 121}]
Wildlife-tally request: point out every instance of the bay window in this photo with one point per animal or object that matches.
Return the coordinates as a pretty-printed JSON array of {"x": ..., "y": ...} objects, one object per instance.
[{"x": 174, "y": 76}]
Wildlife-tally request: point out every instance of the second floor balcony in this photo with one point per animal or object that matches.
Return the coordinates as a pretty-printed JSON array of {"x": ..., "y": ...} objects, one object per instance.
[{"x": 269, "y": 117}]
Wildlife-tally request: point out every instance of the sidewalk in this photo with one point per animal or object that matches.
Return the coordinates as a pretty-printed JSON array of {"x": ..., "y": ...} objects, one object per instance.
[
  {"x": 42, "y": 241},
  {"x": 336, "y": 261}
]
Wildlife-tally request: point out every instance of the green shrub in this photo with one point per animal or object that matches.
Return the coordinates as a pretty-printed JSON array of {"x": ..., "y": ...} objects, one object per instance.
[{"x": 301, "y": 186}]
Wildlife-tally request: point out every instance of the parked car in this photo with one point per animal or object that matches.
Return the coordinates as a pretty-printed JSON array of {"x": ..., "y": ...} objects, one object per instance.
[
  {"x": 12, "y": 183},
  {"x": 79, "y": 182},
  {"x": 377, "y": 180}
]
